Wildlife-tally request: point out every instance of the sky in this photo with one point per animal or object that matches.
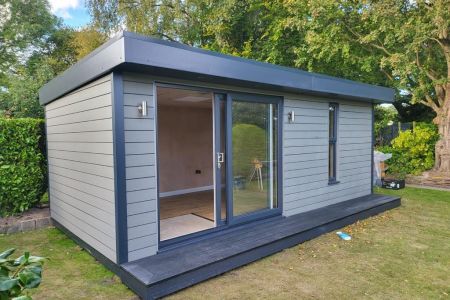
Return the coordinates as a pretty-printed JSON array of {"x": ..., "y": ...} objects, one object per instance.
[{"x": 73, "y": 12}]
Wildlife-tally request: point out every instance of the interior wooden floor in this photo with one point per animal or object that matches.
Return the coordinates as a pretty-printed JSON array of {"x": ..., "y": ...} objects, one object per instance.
[{"x": 200, "y": 204}]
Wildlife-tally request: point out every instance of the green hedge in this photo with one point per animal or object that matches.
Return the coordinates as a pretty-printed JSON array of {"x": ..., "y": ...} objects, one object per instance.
[{"x": 23, "y": 178}]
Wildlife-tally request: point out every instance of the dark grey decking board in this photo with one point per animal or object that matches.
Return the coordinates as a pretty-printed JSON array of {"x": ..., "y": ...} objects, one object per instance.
[{"x": 192, "y": 258}]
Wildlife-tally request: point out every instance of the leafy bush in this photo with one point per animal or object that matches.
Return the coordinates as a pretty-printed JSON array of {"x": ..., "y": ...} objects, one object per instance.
[
  {"x": 19, "y": 275},
  {"x": 412, "y": 151},
  {"x": 22, "y": 164}
]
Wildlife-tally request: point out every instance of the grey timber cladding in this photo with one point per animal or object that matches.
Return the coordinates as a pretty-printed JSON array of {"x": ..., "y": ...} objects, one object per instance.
[
  {"x": 140, "y": 163},
  {"x": 305, "y": 153},
  {"x": 80, "y": 162}
]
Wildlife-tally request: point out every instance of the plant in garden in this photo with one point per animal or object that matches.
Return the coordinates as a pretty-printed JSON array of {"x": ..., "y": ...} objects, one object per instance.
[
  {"x": 22, "y": 164},
  {"x": 412, "y": 151},
  {"x": 19, "y": 275}
]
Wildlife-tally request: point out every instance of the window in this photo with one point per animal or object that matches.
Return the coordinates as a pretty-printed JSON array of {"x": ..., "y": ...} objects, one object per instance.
[{"x": 333, "y": 108}]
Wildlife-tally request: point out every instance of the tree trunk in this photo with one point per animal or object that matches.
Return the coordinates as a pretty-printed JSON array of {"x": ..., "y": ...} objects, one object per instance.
[{"x": 442, "y": 160}]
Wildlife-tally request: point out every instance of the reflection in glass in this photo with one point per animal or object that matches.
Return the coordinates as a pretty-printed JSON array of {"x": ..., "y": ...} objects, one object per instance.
[{"x": 254, "y": 140}]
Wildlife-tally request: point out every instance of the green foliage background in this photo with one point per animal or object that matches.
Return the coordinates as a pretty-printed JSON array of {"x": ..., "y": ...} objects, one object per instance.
[
  {"x": 412, "y": 151},
  {"x": 22, "y": 164},
  {"x": 249, "y": 142}
]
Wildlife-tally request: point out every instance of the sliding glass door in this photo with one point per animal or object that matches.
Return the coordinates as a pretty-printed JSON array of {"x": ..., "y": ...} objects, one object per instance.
[{"x": 252, "y": 151}]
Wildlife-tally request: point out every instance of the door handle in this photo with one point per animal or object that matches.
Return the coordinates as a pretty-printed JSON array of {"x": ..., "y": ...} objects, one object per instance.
[{"x": 220, "y": 159}]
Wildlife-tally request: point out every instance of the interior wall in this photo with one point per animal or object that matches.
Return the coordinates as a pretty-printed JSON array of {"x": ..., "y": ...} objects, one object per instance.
[{"x": 185, "y": 145}]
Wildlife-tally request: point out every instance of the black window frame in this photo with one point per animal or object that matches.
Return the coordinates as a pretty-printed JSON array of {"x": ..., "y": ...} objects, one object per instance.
[{"x": 332, "y": 141}]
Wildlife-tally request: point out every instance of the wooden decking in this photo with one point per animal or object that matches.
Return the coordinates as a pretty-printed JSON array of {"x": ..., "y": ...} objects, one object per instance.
[{"x": 178, "y": 268}]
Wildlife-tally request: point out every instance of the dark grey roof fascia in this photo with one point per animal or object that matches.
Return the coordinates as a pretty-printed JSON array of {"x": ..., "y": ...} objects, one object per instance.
[{"x": 130, "y": 50}]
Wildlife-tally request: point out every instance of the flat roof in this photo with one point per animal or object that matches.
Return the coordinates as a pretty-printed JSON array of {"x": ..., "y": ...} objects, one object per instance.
[{"x": 128, "y": 51}]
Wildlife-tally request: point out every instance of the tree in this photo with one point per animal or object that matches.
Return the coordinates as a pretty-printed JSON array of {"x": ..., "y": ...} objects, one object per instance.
[
  {"x": 399, "y": 43},
  {"x": 35, "y": 47},
  {"x": 406, "y": 41}
]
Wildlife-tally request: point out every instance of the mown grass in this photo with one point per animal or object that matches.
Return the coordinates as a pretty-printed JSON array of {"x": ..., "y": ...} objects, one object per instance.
[{"x": 401, "y": 254}]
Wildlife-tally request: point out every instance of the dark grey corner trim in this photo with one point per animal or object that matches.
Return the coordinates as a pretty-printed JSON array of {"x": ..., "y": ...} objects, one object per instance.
[
  {"x": 372, "y": 165},
  {"x": 119, "y": 168}
]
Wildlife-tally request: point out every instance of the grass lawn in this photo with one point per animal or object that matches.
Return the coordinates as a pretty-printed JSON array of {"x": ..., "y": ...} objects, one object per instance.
[{"x": 401, "y": 254}]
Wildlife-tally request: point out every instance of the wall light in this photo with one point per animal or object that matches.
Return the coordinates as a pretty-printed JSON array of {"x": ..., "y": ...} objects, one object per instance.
[
  {"x": 291, "y": 116},
  {"x": 142, "y": 108}
]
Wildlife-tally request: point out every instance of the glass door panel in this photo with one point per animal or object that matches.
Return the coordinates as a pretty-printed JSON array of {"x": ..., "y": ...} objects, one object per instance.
[{"x": 254, "y": 128}]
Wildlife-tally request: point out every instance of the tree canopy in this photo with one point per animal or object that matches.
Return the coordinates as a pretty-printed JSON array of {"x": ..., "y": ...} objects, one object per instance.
[{"x": 35, "y": 47}]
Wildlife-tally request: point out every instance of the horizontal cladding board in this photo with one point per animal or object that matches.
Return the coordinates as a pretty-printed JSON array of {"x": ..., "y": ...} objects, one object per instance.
[
  {"x": 90, "y": 224},
  {"x": 83, "y": 233},
  {"x": 139, "y": 124},
  {"x": 139, "y": 148},
  {"x": 287, "y": 143},
  {"x": 318, "y": 204},
  {"x": 354, "y": 152},
  {"x": 355, "y": 165},
  {"x": 325, "y": 189},
  {"x": 100, "y": 148},
  {"x": 305, "y": 157},
  {"x": 102, "y": 182},
  {"x": 87, "y": 137},
  {"x": 312, "y": 188},
  {"x": 353, "y": 121},
  {"x": 83, "y": 116},
  {"x": 135, "y": 160},
  {"x": 304, "y": 164},
  {"x": 99, "y": 159},
  {"x": 143, "y": 218},
  {"x": 134, "y": 255},
  {"x": 137, "y": 77},
  {"x": 107, "y": 219},
  {"x": 305, "y": 149},
  {"x": 138, "y": 88},
  {"x": 139, "y": 136},
  {"x": 101, "y": 88},
  {"x": 362, "y": 127},
  {"x": 84, "y": 105},
  {"x": 306, "y": 127},
  {"x": 89, "y": 126},
  {"x": 133, "y": 101},
  {"x": 106, "y": 205},
  {"x": 295, "y": 181},
  {"x": 355, "y": 146},
  {"x": 323, "y": 134},
  {"x": 317, "y": 169},
  {"x": 141, "y": 242},
  {"x": 353, "y": 140},
  {"x": 306, "y": 187},
  {"x": 351, "y": 109},
  {"x": 140, "y": 172},
  {"x": 141, "y": 184},
  {"x": 142, "y": 195},
  {"x": 354, "y": 134},
  {"x": 83, "y": 167},
  {"x": 140, "y": 207},
  {"x": 89, "y": 188},
  {"x": 143, "y": 230},
  {"x": 355, "y": 158}
]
